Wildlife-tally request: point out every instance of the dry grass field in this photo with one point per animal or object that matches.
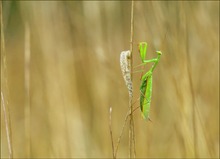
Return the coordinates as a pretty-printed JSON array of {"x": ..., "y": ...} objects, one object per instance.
[{"x": 60, "y": 73}]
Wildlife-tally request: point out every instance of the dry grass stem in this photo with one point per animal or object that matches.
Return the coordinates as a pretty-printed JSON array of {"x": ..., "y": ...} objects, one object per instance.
[
  {"x": 7, "y": 127},
  {"x": 131, "y": 127},
  {"x": 110, "y": 129},
  {"x": 4, "y": 87},
  {"x": 122, "y": 130}
]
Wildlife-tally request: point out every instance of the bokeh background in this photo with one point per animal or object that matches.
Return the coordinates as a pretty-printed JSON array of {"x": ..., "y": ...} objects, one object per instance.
[{"x": 62, "y": 74}]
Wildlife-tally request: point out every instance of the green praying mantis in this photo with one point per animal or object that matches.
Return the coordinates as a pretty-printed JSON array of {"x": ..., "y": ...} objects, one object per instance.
[{"x": 146, "y": 80}]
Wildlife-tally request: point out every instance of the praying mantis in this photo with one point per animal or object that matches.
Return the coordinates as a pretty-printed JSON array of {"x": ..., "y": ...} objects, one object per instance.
[{"x": 146, "y": 80}]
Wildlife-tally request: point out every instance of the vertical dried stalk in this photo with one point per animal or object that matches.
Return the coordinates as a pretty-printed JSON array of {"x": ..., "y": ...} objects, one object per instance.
[
  {"x": 126, "y": 68},
  {"x": 5, "y": 107},
  {"x": 8, "y": 132},
  {"x": 122, "y": 130},
  {"x": 27, "y": 87},
  {"x": 131, "y": 128},
  {"x": 110, "y": 128}
]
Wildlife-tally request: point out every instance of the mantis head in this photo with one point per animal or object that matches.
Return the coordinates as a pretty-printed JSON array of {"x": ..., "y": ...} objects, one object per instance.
[{"x": 159, "y": 52}]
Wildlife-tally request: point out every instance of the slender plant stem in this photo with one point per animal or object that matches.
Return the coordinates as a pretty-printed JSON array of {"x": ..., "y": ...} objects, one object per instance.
[
  {"x": 130, "y": 111},
  {"x": 110, "y": 128},
  {"x": 4, "y": 89},
  {"x": 131, "y": 128},
  {"x": 122, "y": 130},
  {"x": 7, "y": 127}
]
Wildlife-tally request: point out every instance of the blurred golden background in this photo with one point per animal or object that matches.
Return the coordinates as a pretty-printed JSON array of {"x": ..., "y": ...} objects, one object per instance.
[{"x": 62, "y": 74}]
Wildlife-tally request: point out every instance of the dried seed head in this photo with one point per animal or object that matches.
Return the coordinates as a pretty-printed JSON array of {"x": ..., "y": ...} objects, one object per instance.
[{"x": 125, "y": 62}]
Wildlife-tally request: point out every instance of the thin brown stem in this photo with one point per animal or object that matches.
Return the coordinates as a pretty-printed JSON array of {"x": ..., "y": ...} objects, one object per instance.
[
  {"x": 4, "y": 88},
  {"x": 122, "y": 130},
  {"x": 130, "y": 111},
  {"x": 110, "y": 129},
  {"x": 7, "y": 126},
  {"x": 131, "y": 127}
]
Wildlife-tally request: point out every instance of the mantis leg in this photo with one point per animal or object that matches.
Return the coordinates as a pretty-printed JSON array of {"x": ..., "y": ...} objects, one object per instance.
[
  {"x": 148, "y": 61},
  {"x": 155, "y": 60}
]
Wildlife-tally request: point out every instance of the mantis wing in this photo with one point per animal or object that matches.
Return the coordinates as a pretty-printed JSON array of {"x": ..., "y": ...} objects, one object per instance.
[{"x": 146, "y": 93}]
